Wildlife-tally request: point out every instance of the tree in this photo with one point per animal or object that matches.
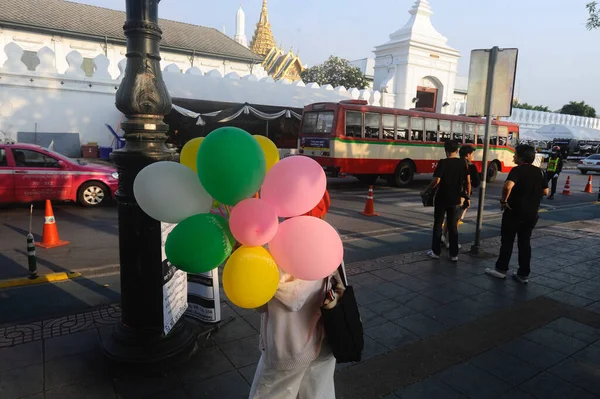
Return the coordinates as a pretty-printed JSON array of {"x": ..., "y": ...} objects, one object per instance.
[
  {"x": 593, "y": 21},
  {"x": 578, "y": 109},
  {"x": 543, "y": 108},
  {"x": 336, "y": 72}
]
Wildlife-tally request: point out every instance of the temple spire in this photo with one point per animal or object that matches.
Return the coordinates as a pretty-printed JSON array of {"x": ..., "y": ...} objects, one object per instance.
[
  {"x": 240, "y": 28},
  {"x": 263, "y": 40}
]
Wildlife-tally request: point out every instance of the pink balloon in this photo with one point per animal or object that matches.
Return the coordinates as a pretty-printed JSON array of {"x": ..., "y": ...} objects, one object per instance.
[
  {"x": 294, "y": 186},
  {"x": 308, "y": 248},
  {"x": 253, "y": 222}
]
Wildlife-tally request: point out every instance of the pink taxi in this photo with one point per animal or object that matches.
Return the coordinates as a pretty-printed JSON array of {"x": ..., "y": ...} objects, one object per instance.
[{"x": 30, "y": 173}]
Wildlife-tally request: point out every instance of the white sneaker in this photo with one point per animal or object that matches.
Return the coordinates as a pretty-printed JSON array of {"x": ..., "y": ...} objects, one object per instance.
[
  {"x": 454, "y": 258},
  {"x": 495, "y": 273},
  {"x": 520, "y": 279},
  {"x": 432, "y": 255},
  {"x": 448, "y": 245}
]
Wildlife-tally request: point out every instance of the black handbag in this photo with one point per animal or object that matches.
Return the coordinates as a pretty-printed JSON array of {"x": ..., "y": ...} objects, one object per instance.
[
  {"x": 428, "y": 198},
  {"x": 343, "y": 325}
]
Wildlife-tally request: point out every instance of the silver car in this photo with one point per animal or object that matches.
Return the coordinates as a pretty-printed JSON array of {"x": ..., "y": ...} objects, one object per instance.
[{"x": 589, "y": 164}]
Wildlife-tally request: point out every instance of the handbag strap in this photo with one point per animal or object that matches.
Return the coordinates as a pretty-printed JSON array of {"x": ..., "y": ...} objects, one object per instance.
[{"x": 341, "y": 272}]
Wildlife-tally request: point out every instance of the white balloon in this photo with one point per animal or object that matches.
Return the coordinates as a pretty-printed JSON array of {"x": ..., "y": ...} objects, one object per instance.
[{"x": 170, "y": 192}]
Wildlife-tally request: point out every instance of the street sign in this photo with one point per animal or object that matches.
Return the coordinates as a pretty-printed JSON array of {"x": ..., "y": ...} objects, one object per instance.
[
  {"x": 204, "y": 302},
  {"x": 174, "y": 286},
  {"x": 504, "y": 72}
]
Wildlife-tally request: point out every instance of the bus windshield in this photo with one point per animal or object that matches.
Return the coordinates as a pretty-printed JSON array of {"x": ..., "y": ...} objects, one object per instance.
[{"x": 317, "y": 122}]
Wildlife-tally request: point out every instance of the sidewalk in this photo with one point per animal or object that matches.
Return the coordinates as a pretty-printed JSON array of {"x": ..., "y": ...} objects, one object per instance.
[{"x": 432, "y": 330}]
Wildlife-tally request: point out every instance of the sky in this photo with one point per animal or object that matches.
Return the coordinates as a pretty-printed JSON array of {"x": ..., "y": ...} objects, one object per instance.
[{"x": 559, "y": 60}]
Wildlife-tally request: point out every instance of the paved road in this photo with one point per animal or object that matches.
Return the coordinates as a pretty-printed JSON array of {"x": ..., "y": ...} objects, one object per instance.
[{"x": 404, "y": 225}]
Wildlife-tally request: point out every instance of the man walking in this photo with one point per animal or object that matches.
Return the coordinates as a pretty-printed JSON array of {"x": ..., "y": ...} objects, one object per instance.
[
  {"x": 520, "y": 201},
  {"x": 555, "y": 165},
  {"x": 452, "y": 178}
]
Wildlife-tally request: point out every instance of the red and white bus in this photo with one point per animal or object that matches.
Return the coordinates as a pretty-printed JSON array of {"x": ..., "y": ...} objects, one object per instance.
[{"x": 353, "y": 138}]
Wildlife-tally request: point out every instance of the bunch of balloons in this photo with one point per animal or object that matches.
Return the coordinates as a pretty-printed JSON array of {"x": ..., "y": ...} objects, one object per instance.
[{"x": 213, "y": 196}]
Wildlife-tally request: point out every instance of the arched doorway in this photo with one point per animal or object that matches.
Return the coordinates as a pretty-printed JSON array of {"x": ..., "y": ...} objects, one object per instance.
[{"x": 428, "y": 92}]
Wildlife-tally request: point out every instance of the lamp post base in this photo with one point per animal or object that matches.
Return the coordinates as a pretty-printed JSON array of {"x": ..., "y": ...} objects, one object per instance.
[{"x": 148, "y": 350}]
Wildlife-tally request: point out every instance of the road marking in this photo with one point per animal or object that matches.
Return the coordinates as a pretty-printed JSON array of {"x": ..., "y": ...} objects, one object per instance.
[{"x": 41, "y": 279}]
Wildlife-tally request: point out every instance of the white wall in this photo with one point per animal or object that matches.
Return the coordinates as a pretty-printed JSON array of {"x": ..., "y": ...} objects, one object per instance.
[
  {"x": 61, "y": 46},
  {"x": 70, "y": 102}
]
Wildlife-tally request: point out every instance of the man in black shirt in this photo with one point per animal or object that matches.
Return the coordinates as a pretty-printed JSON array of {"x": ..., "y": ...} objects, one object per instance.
[
  {"x": 452, "y": 179},
  {"x": 521, "y": 197}
]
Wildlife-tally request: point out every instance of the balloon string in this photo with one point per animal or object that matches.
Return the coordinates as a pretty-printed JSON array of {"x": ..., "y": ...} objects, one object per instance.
[{"x": 221, "y": 211}]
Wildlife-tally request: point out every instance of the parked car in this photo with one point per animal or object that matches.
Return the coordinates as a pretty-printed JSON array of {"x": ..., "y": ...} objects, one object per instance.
[
  {"x": 589, "y": 164},
  {"x": 30, "y": 173}
]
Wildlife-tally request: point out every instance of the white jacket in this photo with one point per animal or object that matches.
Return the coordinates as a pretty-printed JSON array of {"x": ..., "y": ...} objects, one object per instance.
[{"x": 291, "y": 331}]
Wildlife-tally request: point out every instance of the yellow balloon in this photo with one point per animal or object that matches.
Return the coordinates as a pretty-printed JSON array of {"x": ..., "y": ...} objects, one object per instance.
[
  {"x": 189, "y": 153},
  {"x": 250, "y": 277},
  {"x": 270, "y": 150}
]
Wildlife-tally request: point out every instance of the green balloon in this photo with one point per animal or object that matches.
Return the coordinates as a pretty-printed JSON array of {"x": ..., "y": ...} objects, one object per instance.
[
  {"x": 231, "y": 165},
  {"x": 199, "y": 243}
]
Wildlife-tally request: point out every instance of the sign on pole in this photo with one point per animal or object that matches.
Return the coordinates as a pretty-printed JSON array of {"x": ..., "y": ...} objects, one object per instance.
[
  {"x": 502, "y": 95},
  {"x": 204, "y": 302},
  {"x": 174, "y": 286},
  {"x": 490, "y": 93}
]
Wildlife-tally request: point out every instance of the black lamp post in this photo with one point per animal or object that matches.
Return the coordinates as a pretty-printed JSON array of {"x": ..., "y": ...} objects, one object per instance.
[{"x": 143, "y": 98}]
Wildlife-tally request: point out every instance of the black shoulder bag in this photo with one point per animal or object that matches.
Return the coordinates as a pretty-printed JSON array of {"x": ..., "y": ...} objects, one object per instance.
[
  {"x": 428, "y": 198},
  {"x": 342, "y": 322}
]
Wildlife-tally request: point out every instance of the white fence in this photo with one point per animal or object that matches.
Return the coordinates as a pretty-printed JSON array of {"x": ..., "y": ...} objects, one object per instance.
[{"x": 46, "y": 101}]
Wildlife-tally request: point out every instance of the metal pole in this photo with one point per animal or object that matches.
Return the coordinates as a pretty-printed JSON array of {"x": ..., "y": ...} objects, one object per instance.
[
  {"x": 31, "y": 259},
  {"x": 476, "y": 248},
  {"x": 137, "y": 339}
]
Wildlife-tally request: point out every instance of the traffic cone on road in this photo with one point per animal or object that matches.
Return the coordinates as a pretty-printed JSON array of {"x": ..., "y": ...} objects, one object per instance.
[
  {"x": 370, "y": 205},
  {"x": 588, "y": 187},
  {"x": 50, "y": 237},
  {"x": 567, "y": 189}
]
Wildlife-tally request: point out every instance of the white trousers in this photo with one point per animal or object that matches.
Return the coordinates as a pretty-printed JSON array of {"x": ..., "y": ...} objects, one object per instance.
[{"x": 312, "y": 382}]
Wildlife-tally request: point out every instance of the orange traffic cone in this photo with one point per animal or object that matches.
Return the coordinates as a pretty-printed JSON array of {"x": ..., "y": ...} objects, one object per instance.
[
  {"x": 50, "y": 237},
  {"x": 588, "y": 186},
  {"x": 567, "y": 189},
  {"x": 370, "y": 205}
]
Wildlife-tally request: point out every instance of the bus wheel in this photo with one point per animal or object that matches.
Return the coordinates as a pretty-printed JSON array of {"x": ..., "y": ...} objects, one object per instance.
[
  {"x": 404, "y": 174},
  {"x": 369, "y": 180},
  {"x": 492, "y": 172}
]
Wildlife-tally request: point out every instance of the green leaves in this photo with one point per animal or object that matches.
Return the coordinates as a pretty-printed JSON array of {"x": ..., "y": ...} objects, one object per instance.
[
  {"x": 336, "y": 72},
  {"x": 578, "y": 109},
  {"x": 593, "y": 21}
]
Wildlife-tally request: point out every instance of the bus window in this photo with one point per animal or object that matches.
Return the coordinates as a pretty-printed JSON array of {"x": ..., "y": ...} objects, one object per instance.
[
  {"x": 470, "y": 133},
  {"x": 445, "y": 130},
  {"x": 402, "y": 128},
  {"x": 416, "y": 129},
  {"x": 431, "y": 127},
  {"x": 372, "y": 125},
  {"x": 480, "y": 134},
  {"x": 494, "y": 135},
  {"x": 317, "y": 122},
  {"x": 502, "y": 135},
  {"x": 513, "y": 139},
  {"x": 388, "y": 126},
  {"x": 457, "y": 131},
  {"x": 353, "y": 124}
]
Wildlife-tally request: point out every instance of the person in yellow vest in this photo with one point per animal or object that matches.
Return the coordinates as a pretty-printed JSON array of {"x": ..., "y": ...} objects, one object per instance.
[{"x": 555, "y": 165}]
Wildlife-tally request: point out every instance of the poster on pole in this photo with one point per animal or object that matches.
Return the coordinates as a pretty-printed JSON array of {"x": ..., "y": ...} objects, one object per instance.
[
  {"x": 504, "y": 82},
  {"x": 174, "y": 286},
  {"x": 204, "y": 302}
]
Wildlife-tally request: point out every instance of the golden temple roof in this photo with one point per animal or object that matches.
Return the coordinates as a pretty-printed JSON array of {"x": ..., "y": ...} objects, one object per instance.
[
  {"x": 277, "y": 63},
  {"x": 263, "y": 40}
]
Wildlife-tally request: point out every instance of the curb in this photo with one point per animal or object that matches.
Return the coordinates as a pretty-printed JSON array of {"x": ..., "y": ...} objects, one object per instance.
[{"x": 42, "y": 279}]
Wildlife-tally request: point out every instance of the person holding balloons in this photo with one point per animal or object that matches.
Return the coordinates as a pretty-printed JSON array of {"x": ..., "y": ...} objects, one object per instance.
[
  {"x": 296, "y": 361},
  {"x": 283, "y": 268}
]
